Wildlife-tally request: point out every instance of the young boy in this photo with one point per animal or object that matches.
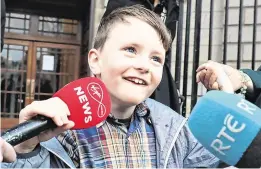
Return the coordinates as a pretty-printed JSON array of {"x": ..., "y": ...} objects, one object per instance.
[{"x": 128, "y": 56}]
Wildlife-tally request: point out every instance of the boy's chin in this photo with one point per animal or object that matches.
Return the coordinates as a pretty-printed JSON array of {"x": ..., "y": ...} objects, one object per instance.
[{"x": 133, "y": 101}]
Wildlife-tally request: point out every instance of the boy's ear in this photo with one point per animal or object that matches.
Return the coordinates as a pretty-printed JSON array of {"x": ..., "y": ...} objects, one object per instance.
[{"x": 93, "y": 60}]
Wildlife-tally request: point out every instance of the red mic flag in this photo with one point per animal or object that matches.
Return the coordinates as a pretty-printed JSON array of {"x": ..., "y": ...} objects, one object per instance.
[
  {"x": 89, "y": 104},
  {"x": 88, "y": 101}
]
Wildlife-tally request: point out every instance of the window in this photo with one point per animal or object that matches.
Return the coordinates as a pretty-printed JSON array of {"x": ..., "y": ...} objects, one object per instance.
[
  {"x": 47, "y": 26},
  {"x": 13, "y": 79},
  {"x": 57, "y": 26},
  {"x": 17, "y": 23}
]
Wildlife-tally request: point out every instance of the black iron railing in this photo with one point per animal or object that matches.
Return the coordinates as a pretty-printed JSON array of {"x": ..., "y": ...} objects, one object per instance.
[{"x": 196, "y": 48}]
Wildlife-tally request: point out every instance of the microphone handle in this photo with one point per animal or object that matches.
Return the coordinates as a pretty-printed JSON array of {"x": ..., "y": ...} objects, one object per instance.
[{"x": 27, "y": 130}]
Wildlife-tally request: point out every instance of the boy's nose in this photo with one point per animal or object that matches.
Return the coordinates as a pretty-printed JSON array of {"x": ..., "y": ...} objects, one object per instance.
[{"x": 142, "y": 65}]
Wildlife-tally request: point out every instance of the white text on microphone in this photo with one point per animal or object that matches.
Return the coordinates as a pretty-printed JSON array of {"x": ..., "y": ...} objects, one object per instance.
[{"x": 83, "y": 99}]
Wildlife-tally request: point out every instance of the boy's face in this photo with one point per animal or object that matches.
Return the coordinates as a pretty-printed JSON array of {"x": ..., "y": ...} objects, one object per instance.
[{"x": 130, "y": 63}]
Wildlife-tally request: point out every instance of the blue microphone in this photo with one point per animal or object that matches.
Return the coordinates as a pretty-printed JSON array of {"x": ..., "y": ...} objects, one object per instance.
[{"x": 229, "y": 127}]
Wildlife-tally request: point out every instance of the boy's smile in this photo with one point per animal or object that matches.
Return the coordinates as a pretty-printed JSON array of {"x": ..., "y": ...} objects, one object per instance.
[
  {"x": 130, "y": 62},
  {"x": 136, "y": 80}
]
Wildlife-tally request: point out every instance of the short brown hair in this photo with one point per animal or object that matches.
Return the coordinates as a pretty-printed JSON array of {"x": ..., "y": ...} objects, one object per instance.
[{"x": 137, "y": 11}]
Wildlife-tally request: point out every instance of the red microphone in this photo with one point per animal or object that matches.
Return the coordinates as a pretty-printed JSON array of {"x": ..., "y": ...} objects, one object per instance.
[{"x": 88, "y": 101}]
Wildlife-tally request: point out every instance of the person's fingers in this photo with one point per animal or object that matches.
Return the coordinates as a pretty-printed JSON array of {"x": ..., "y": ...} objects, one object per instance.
[
  {"x": 53, "y": 108},
  {"x": 207, "y": 77},
  {"x": 37, "y": 109},
  {"x": 2, "y": 149},
  {"x": 215, "y": 86},
  {"x": 58, "y": 120},
  {"x": 8, "y": 153},
  {"x": 202, "y": 76},
  {"x": 197, "y": 77},
  {"x": 63, "y": 128},
  {"x": 214, "y": 75},
  {"x": 202, "y": 67},
  {"x": 212, "y": 80},
  {"x": 1, "y": 157},
  {"x": 224, "y": 82},
  {"x": 65, "y": 119},
  {"x": 46, "y": 135},
  {"x": 206, "y": 65}
]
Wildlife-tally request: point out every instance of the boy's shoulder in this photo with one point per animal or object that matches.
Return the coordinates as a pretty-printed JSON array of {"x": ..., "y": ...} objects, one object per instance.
[
  {"x": 162, "y": 116},
  {"x": 159, "y": 110}
]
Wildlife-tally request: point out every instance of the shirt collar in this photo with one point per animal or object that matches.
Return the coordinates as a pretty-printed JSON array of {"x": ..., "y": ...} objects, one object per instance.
[{"x": 142, "y": 110}]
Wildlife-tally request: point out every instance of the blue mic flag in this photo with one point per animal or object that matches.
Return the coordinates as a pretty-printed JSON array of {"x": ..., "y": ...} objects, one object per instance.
[{"x": 225, "y": 124}]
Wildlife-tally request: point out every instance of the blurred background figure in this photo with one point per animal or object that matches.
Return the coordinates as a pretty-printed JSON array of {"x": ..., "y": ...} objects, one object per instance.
[
  {"x": 10, "y": 87},
  {"x": 45, "y": 88}
]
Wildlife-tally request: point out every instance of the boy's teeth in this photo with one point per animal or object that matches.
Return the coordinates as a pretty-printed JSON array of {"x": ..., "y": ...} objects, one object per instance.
[{"x": 138, "y": 81}]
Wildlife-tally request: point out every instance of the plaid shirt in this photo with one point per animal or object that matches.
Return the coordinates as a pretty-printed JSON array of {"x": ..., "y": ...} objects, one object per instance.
[{"x": 111, "y": 145}]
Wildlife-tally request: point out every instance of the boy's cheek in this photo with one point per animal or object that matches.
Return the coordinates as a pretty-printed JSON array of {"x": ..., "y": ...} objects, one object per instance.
[{"x": 158, "y": 75}]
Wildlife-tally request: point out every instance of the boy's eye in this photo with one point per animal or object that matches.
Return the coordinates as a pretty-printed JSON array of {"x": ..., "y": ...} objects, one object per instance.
[
  {"x": 156, "y": 59},
  {"x": 131, "y": 50}
]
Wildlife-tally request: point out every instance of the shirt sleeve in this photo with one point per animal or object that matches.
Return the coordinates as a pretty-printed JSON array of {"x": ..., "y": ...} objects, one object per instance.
[
  {"x": 255, "y": 76},
  {"x": 69, "y": 143},
  {"x": 39, "y": 158}
]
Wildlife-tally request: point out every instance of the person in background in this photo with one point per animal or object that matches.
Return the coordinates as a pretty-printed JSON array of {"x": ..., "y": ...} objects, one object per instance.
[{"x": 217, "y": 76}]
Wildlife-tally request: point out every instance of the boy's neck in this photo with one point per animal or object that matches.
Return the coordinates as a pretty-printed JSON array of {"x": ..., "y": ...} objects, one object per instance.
[{"x": 120, "y": 112}]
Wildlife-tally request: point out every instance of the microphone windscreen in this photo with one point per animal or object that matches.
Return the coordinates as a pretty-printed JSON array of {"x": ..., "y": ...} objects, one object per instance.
[
  {"x": 88, "y": 101},
  {"x": 225, "y": 124}
]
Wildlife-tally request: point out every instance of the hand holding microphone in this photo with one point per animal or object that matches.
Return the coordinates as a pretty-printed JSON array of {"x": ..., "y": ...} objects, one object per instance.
[
  {"x": 229, "y": 127},
  {"x": 217, "y": 76},
  {"x": 80, "y": 104},
  {"x": 7, "y": 152},
  {"x": 54, "y": 109}
]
